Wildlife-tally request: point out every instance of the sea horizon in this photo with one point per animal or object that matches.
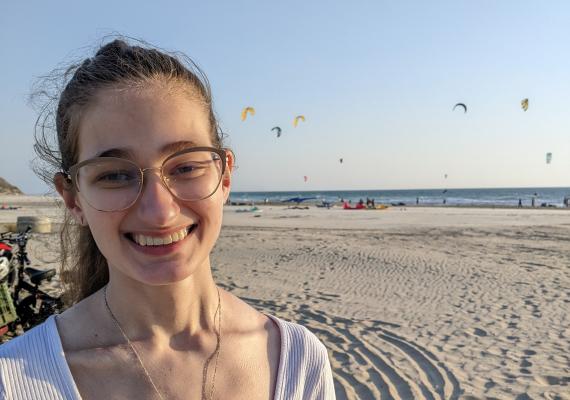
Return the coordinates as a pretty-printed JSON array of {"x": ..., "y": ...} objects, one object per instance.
[{"x": 505, "y": 196}]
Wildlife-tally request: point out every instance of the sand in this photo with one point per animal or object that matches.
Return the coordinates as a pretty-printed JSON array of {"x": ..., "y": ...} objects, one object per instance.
[{"x": 412, "y": 303}]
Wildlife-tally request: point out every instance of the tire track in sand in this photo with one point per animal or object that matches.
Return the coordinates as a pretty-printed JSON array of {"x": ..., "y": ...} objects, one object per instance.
[{"x": 369, "y": 360}]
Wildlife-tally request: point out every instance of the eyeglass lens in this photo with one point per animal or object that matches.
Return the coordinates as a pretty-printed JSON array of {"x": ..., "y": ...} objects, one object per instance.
[{"x": 115, "y": 184}]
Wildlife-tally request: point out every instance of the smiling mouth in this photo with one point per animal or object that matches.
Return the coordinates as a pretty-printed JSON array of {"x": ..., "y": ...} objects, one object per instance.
[{"x": 165, "y": 240}]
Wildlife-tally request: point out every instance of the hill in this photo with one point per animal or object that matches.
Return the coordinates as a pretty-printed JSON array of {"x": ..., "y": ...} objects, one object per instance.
[{"x": 6, "y": 188}]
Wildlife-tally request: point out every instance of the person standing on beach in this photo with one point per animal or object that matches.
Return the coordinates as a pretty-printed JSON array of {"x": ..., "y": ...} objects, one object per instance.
[{"x": 143, "y": 174}]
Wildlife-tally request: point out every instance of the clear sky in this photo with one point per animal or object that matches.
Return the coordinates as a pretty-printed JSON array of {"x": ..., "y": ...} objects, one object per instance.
[{"x": 376, "y": 80}]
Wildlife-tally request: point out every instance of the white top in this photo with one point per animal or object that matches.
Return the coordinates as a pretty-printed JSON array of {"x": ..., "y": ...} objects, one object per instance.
[{"x": 33, "y": 366}]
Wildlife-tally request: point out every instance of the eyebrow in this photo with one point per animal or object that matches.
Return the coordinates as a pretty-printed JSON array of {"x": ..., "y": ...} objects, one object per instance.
[{"x": 165, "y": 150}]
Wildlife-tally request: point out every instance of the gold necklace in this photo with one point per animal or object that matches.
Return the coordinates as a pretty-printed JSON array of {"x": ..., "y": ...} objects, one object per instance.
[{"x": 215, "y": 354}]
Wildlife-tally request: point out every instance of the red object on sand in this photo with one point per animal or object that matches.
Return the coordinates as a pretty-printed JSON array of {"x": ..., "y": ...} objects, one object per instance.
[{"x": 359, "y": 206}]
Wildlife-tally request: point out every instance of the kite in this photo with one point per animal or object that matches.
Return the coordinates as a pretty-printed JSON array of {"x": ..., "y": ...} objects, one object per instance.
[
  {"x": 341, "y": 160},
  {"x": 276, "y": 128},
  {"x": 297, "y": 118},
  {"x": 548, "y": 158},
  {"x": 305, "y": 178},
  {"x": 246, "y": 110},
  {"x": 524, "y": 104},
  {"x": 460, "y": 105}
]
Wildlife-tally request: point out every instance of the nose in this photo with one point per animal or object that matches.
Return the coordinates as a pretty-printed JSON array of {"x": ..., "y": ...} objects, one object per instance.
[{"x": 156, "y": 205}]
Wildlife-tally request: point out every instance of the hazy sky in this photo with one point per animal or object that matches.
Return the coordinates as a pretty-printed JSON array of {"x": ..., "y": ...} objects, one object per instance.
[{"x": 376, "y": 81}]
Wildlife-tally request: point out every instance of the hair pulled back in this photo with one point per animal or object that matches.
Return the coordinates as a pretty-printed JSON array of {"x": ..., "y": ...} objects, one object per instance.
[{"x": 63, "y": 96}]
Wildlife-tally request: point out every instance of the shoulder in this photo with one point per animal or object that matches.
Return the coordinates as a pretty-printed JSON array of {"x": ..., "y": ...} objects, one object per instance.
[
  {"x": 32, "y": 344},
  {"x": 304, "y": 366},
  {"x": 30, "y": 365},
  {"x": 301, "y": 345}
]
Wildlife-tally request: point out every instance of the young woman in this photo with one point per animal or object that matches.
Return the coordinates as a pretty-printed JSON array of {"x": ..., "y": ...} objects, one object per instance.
[{"x": 143, "y": 173}]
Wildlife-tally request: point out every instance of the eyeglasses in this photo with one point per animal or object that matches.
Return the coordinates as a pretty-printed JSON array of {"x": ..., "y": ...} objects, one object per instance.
[{"x": 115, "y": 184}]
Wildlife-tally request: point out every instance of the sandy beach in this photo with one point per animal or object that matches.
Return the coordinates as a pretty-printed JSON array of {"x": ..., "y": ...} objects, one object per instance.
[{"x": 412, "y": 303}]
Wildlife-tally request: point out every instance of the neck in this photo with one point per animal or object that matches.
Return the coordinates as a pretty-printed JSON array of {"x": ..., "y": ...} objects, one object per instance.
[{"x": 184, "y": 308}]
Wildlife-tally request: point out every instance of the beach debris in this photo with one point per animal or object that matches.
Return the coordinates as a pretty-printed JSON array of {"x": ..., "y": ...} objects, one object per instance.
[
  {"x": 245, "y": 111},
  {"x": 524, "y": 104},
  {"x": 460, "y": 105},
  {"x": 548, "y": 158},
  {"x": 253, "y": 209},
  {"x": 278, "y": 129},
  {"x": 297, "y": 119}
]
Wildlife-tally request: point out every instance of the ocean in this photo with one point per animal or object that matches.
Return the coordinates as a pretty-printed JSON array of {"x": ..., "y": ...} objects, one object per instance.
[{"x": 500, "y": 197}]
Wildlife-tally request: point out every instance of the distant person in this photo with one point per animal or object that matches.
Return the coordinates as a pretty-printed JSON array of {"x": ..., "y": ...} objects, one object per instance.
[
  {"x": 532, "y": 202},
  {"x": 520, "y": 203},
  {"x": 417, "y": 200},
  {"x": 139, "y": 162}
]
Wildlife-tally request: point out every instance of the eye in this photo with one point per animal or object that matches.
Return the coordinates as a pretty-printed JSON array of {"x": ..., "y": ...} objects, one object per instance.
[
  {"x": 115, "y": 179},
  {"x": 115, "y": 176},
  {"x": 188, "y": 170}
]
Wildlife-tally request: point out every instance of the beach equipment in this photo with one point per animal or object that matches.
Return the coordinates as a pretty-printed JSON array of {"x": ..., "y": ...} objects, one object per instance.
[
  {"x": 278, "y": 129},
  {"x": 460, "y": 105},
  {"x": 548, "y": 158},
  {"x": 245, "y": 111},
  {"x": 358, "y": 206},
  {"x": 297, "y": 119},
  {"x": 524, "y": 104},
  {"x": 298, "y": 199}
]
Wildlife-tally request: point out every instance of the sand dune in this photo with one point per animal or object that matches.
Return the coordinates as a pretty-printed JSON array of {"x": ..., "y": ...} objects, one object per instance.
[{"x": 411, "y": 303}]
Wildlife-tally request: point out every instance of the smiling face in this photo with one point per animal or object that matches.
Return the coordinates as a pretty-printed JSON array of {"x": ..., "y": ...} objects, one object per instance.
[{"x": 146, "y": 126}]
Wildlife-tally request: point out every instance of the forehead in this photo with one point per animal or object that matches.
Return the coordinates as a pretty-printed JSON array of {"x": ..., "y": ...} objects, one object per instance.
[{"x": 142, "y": 122}]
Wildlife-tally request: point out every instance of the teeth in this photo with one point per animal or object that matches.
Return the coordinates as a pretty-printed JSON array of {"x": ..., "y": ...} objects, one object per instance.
[{"x": 143, "y": 240}]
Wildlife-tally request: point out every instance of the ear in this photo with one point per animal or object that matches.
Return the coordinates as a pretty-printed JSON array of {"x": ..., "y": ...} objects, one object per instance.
[
  {"x": 227, "y": 178},
  {"x": 65, "y": 188}
]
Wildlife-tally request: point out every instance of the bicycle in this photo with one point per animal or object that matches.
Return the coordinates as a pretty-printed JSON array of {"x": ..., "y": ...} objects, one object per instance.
[{"x": 23, "y": 304}]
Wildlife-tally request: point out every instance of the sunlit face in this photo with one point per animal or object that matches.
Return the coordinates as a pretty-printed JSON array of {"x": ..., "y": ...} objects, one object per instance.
[{"x": 143, "y": 126}]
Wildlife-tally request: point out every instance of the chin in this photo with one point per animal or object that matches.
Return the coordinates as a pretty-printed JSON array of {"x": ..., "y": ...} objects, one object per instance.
[{"x": 164, "y": 273}]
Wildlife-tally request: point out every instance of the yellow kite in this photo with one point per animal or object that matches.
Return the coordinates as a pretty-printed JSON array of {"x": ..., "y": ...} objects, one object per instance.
[
  {"x": 246, "y": 110},
  {"x": 524, "y": 104},
  {"x": 297, "y": 118}
]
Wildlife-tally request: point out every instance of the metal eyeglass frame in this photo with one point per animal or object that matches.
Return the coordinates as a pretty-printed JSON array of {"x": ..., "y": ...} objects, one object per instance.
[{"x": 71, "y": 174}]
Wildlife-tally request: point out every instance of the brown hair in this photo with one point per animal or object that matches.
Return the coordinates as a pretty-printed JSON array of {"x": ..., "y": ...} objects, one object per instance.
[{"x": 63, "y": 96}]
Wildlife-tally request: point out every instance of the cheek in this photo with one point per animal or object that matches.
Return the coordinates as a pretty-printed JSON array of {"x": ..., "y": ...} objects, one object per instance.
[
  {"x": 211, "y": 211},
  {"x": 104, "y": 228}
]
